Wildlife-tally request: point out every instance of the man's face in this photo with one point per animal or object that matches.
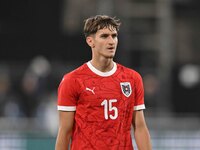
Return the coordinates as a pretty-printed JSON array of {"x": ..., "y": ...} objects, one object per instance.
[{"x": 104, "y": 43}]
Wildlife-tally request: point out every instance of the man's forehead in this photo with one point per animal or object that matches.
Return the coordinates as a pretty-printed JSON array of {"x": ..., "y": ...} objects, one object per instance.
[{"x": 107, "y": 30}]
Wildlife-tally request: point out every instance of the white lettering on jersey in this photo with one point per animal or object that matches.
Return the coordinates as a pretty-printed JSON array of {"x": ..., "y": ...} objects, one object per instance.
[{"x": 109, "y": 108}]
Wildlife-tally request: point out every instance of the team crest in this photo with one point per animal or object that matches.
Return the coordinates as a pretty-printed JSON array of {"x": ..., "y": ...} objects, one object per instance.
[{"x": 126, "y": 88}]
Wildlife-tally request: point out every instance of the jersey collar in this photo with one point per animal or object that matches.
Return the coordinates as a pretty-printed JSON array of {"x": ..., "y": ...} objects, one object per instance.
[{"x": 100, "y": 73}]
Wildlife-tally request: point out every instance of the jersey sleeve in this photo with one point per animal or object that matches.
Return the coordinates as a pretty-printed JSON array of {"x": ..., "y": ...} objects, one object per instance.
[
  {"x": 67, "y": 94},
  {"x": 139, "y": 93}
]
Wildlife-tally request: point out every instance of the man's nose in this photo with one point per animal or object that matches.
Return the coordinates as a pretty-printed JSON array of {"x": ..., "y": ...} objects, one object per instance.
[{"x": 111, "y": 40}]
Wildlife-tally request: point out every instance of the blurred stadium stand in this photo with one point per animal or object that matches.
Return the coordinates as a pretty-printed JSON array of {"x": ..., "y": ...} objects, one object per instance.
[{"x": 42, "y": 40}]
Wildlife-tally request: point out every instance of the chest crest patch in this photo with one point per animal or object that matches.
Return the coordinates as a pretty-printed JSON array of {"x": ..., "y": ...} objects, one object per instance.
[{"x": 126, "y": 88}]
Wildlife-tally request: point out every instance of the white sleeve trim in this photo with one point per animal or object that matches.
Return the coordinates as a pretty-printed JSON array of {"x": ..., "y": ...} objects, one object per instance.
[
  {"x": 66, "y": 108},
  {"x": 139, "y": 107}
]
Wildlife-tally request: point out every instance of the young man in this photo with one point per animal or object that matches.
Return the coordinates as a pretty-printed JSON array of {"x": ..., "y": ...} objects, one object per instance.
[{"x": 99, "y": 101}]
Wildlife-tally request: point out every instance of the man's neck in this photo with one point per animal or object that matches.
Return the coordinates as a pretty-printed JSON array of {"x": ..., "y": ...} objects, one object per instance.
[{"x": 103, "y": 65}]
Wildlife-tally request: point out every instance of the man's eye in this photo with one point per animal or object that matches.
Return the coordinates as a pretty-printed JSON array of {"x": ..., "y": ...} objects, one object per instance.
[
  {"x": 114, "y": 36},
  {"x": 104, "y": 36}
]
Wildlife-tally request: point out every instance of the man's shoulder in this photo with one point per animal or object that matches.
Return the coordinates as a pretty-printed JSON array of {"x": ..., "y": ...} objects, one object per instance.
[
  {"x": 126, "y": 69},
  {"x": 76, "y": 72}
]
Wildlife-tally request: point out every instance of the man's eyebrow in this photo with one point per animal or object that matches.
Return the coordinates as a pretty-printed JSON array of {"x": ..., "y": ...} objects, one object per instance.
[
  {"x": 106, "y": 34},
  {"x": 114, "y": 34}
]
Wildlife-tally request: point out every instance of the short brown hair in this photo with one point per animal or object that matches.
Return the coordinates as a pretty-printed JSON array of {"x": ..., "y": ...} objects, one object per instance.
[{"x": 93, "y": 24}]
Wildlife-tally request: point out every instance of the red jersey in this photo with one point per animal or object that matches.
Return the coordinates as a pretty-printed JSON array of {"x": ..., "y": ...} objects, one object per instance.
[{"x": 104, "y": 105}]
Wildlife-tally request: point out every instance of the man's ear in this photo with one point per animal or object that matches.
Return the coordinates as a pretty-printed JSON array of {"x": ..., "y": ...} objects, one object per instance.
[{"x": 89, "y": 41}]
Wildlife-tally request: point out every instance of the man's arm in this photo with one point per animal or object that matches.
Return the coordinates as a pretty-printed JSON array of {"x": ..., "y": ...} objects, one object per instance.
[
  {"x": 141, "y": 132},
  {"x": 66, "y": 122}
]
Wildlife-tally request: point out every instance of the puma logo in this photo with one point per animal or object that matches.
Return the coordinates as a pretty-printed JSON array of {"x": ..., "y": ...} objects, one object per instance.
[{"x": 91, "y": 90}]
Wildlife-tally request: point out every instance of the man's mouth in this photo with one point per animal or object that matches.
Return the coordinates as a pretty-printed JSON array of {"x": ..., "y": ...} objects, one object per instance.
[{"x": 111, "y": 48}]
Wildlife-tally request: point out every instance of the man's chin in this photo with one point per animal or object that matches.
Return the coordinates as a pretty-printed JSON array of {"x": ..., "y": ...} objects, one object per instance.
[{"x": 110, "y": 56}]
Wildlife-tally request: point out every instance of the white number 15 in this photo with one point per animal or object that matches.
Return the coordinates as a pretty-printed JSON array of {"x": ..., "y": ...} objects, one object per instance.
[{"x": 108, "y": 108}]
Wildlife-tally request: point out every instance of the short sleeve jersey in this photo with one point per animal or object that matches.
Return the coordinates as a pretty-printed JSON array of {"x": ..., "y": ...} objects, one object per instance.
[{"x": 103, "y": 105}]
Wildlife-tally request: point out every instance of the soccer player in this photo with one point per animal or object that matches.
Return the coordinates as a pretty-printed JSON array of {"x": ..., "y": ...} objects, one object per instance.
[{"x": 99, "y": 101}]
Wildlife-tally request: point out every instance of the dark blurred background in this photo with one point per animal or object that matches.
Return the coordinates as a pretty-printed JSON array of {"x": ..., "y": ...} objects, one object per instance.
[{"x": 40, "y": 41}]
